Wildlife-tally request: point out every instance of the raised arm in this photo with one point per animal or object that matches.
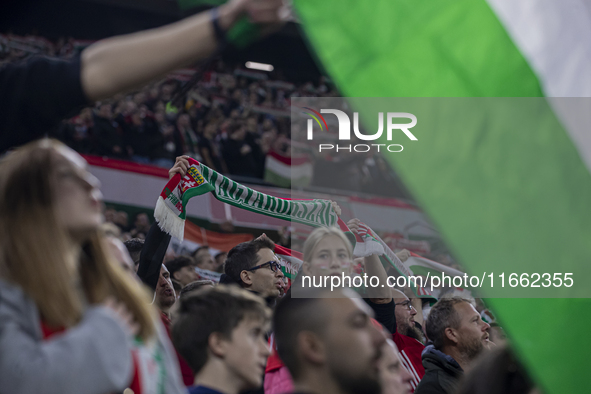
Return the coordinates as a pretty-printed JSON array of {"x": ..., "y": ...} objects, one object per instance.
[
  {"x": 373, "y": 267},
  {"x": 157, "y": 240},
  {"x": 121, "y": 63}
]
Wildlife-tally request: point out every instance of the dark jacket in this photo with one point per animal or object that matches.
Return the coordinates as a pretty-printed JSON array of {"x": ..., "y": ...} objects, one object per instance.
[{"x": 442, "y": 373}]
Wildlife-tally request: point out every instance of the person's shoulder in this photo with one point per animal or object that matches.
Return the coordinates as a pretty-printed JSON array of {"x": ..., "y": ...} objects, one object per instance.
[{"x": 429, "y": 384}]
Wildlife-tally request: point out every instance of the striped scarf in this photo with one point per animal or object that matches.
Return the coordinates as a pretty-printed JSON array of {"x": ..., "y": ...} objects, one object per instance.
[{"x": 170, "y": 212}]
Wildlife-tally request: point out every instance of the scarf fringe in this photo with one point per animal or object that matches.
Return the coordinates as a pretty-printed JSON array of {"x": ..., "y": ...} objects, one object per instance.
[
  {"x": 168, "y": 221},
  {"x": 368, "y": 247}
]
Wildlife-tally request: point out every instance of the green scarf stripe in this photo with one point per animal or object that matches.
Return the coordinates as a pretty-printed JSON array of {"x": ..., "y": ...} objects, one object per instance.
[{"x": 314, "y": 212}]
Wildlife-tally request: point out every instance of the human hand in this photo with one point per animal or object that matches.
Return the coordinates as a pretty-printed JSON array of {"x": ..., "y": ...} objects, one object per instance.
[
  {"x": 257, "y": 11},
  {"x": 353, "y": 225},
  {"x": 403, "y": 255},
  {"x": 181, "y": 165},
  {"x": 262, "y": 236},
  {"x": 336, "y": 208},
  {"x": 245, "y": 149}
]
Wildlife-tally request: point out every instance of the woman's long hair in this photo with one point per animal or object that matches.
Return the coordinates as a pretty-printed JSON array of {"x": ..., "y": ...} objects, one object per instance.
[{"x": 35, "y": 251}]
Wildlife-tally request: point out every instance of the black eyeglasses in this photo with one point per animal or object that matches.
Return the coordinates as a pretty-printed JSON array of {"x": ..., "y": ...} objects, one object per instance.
[
  {"x": 275, "y": 266},
  {"x": 406, "y": 304}
]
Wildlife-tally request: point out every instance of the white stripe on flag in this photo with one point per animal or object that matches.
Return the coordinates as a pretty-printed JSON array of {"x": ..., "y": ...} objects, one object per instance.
[{"x": 555, "y": 38}]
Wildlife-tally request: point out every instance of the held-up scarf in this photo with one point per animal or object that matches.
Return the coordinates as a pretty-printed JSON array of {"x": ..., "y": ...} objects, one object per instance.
[
  {"x": 368, "y": 242},
  {"x": 170, "y": 212}
]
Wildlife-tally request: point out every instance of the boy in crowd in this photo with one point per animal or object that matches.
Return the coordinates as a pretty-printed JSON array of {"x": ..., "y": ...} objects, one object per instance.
[{"x": 220, "y": 331}]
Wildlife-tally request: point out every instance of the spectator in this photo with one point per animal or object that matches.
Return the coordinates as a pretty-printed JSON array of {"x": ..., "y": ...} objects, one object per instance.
[
  {"x": 254, "y": 266},
  {"x": 219, "y": 260},
  {"x": 498, "y": 372},
  {"x": 165, "y": 296},
  {"x": 329, "y": 345},
  {"x": 93, "y": 311},
  {"x": 140, "y": 134},
  {"x": 405, "y": 317},
  {"x": 188, "y": 136},
  {"x": 182, "y": 270},
  {"x": 141, "y": 224},
  {"x": 459, "y": 335},
  {"x": 407, "y": 336},
  {"x": 209, "y": 150},
  {"x": 395, "y": 378},
  {"x": 221, "y": 333},
  {"x": 194, "y": 286},
  {"x": 240, "y": 152},
  {"x": 134, "y": 248},
  {"x": 121, "y": 220},
  {"x": 328, "y": 252},
  {"x": 105, "y": 130},
  {"x": 203, "y": 249},
  {"x": 119, "y": 251},
  {"x": 205, "y": 262}
]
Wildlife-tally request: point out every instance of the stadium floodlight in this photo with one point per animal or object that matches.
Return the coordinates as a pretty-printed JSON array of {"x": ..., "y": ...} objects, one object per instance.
[{"x": 259, "y": 66}]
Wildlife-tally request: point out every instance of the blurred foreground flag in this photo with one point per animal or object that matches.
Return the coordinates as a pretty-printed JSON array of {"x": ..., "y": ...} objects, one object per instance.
[{"x": 510, "y": 190}]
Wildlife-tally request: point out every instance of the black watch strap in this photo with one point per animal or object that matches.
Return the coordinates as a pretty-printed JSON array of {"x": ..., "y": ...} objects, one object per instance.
[{"x": 220, "y": 34}]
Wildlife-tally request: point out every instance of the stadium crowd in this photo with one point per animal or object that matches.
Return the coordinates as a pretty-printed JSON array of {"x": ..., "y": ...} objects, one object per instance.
[
  {"x": 224, "y": 342},
  {"x": 230, "y": 120},
  {"x": 82, "y": 312}
]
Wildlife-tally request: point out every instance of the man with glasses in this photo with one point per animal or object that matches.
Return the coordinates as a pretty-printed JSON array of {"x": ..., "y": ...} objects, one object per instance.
[
  {"x": 407, "y": 337},
  {"x": 254, "y": 266},
  {"x": 397, "y": 315}
]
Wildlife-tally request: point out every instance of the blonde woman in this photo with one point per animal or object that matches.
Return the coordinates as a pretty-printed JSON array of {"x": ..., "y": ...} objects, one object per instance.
[
  {"x": 328, "y": 253},
  {"x": 71, "y": 320}
]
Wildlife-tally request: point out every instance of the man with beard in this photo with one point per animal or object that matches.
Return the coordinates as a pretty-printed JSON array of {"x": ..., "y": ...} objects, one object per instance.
[
  {"x": 459, "y": 335},
  {"x": 405, "y": 317},
  {"x": 329, "y": 345}
]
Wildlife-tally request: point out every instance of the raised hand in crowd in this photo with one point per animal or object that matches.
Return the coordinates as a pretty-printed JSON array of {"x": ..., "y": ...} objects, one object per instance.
[
  {"x": 181, "y": 166},
  {"x": 403, "y": 255},
  {"x": 353, "y": 225}
]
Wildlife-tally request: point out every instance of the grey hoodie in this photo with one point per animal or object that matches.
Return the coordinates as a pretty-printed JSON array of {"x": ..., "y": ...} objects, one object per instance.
[
  {"x": 94, "y": 357},
  {"x": 442, "y": 373}
]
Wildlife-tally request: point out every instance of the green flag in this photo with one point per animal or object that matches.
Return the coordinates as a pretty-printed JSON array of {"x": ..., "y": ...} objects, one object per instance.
[{"x": 503, "y": 199}]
